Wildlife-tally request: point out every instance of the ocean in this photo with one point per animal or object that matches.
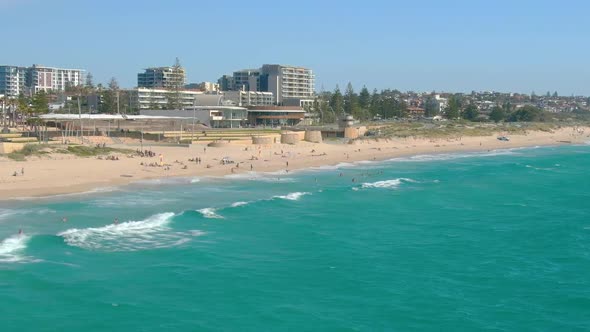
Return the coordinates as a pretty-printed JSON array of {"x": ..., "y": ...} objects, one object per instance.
[{"x": 489, "y": 241}]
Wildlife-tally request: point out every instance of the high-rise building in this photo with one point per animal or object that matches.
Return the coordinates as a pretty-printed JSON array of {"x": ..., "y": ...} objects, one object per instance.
[
  {"x": 12, "y": 81},
  {"x": 41, "y": 78},
  {"x": 246, "y": 80},
  {"x": 288, "y": 84},
  {"x": 15, "y": 80},
  {"x": 162, "y": 77}
]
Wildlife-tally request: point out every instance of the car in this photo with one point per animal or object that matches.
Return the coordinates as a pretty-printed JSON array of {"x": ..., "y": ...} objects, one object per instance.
[{"x": 503, "y": 138}]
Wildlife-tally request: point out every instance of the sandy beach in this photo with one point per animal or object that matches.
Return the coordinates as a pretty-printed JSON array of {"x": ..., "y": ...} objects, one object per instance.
[{"x": 62, "y": 173}]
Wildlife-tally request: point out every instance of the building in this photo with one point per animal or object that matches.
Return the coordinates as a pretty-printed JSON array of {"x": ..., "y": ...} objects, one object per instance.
[
  {"x": 145, "y": 99},
  {"x": 275, "y": 116},
  {"x": 207, "y": 87},
  {"x": 226, "y": 83},
  {"x": 41, "y": 78},
  {"x": 12, "y": 81},
  {"x": 211, "y": 116},
  {"x": 290, "y": 85},
  {"x": 249, "y": 98},
  {"x": 162, "y": 77},
  {"x": 246, "y": 80}
]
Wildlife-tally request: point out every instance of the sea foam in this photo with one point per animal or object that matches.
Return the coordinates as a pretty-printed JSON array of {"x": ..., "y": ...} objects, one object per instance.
[
  {"x": 210, "y": 213},
  {"x": 151, "y": 233},
  {"x": 293, "y": 196},
  {"x": 11, "y": 248},
  {"x": 391, "y": 184}
]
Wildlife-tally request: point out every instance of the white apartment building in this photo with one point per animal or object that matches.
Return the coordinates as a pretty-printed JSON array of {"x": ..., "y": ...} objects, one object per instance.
[
  {"x": 287, "y": 82},
  {"x": 146, "y": 99},
  {"x": 250, "y": 98},
  {"x": 41, "y": 78},
  {"x": 12, "y": 81}
]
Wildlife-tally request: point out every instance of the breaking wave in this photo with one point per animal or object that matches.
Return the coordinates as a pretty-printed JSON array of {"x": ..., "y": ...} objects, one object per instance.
[
  {"x": 151, "y": 233},
  {"x": 293, "y": 196},
  {"x": 210, "y": 213},
  {"x": 394, "y": 183},
  {"x": 450, "y": 156},
  {"x": 11, "y": 248},
  {"x": 238, "y": 204}
]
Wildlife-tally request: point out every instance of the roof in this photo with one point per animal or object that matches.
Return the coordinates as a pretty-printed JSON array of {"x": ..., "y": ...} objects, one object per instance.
[{"x": 105, "y": 117}]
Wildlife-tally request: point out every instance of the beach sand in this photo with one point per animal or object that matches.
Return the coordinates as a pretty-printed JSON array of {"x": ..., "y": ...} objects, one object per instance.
[{"x": 62, "y": 174}]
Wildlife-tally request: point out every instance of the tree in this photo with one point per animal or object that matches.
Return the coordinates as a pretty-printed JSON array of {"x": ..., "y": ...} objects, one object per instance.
[
  {"x": 453, "y": 108},
  {"x": 337, "y": 101},
  {"x": 527, "y": 113},
  {"x": 109, "y": 102},
  {"x": 497, "y": 114},
  {"x": 431, "y": 107},
  {"x": 90, "y": 81},
  {"x": 40, "y": 103},
  {"x": 364, "y": 98},
  {"x": 470, "y": 112},
  {"x": 351, "y": 104},
  {"x": 174, "y": 98}
]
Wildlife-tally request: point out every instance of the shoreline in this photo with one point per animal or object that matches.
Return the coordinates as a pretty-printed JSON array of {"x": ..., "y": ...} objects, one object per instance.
[{"x": 62, "y": 175}]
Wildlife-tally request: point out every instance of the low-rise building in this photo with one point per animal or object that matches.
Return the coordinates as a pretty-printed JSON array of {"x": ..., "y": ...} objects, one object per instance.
[
  {"x": 144, "y": 98},
  {"x": 249, "y": 98},
  {"x": 275, "y": 116},
  {"x": 211, "y": 116}
]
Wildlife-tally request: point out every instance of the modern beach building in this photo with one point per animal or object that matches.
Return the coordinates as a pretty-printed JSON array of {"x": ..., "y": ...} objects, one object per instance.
[
  {"x": 274, "y": 116},
  {"x": 211, "y": 116}
]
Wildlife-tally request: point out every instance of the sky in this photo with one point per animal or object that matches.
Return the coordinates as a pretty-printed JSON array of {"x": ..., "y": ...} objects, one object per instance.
[{"x": 423, "y": 45}]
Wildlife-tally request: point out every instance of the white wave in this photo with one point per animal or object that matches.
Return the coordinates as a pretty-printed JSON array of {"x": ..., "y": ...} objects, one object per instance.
[
  {"x": 195, "y": 180},
  {"x": 451, "y": 156},
  {"x": 11, "y": 248},
  {"x": 150, "y": 233},
  {"x": 7, "y": 213},
  {"x": 98, "y": 190},
  {"x": 262, "y": 177},
  {"x": 210, "y": 213},
  {"x": 135, "y": 200},
  {"x": 293, "y": 196},
  {"x": 394, "y": 183},
  {"x": 238, "y": 204}
]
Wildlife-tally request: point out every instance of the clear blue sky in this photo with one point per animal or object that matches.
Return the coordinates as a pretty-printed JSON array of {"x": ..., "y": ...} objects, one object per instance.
[{"x": 451, "y": 45}]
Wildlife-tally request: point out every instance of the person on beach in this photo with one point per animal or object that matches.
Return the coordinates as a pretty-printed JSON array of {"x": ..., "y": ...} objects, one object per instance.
[
  {"x": 22, "y": 171},
  {"x": 251, "y": 167}
]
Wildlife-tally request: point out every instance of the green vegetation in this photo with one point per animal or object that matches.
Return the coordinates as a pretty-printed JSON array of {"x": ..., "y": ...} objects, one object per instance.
[
  {"x": 87, "y": 151},
  {"x": 28, "y": 151},
  {"x": 31, "y": 150},
  {"x": 457, "y": 129}
]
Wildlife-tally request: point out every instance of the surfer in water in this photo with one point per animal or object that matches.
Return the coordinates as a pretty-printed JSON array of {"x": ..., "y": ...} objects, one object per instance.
[
  {"x": 20, "y": 232},
  {"x": 64, "y": 219},
  {"x": 116, "y": 221}
]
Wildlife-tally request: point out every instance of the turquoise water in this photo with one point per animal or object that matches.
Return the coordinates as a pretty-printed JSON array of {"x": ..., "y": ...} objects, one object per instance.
[{"x": 495, "y": 241}]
